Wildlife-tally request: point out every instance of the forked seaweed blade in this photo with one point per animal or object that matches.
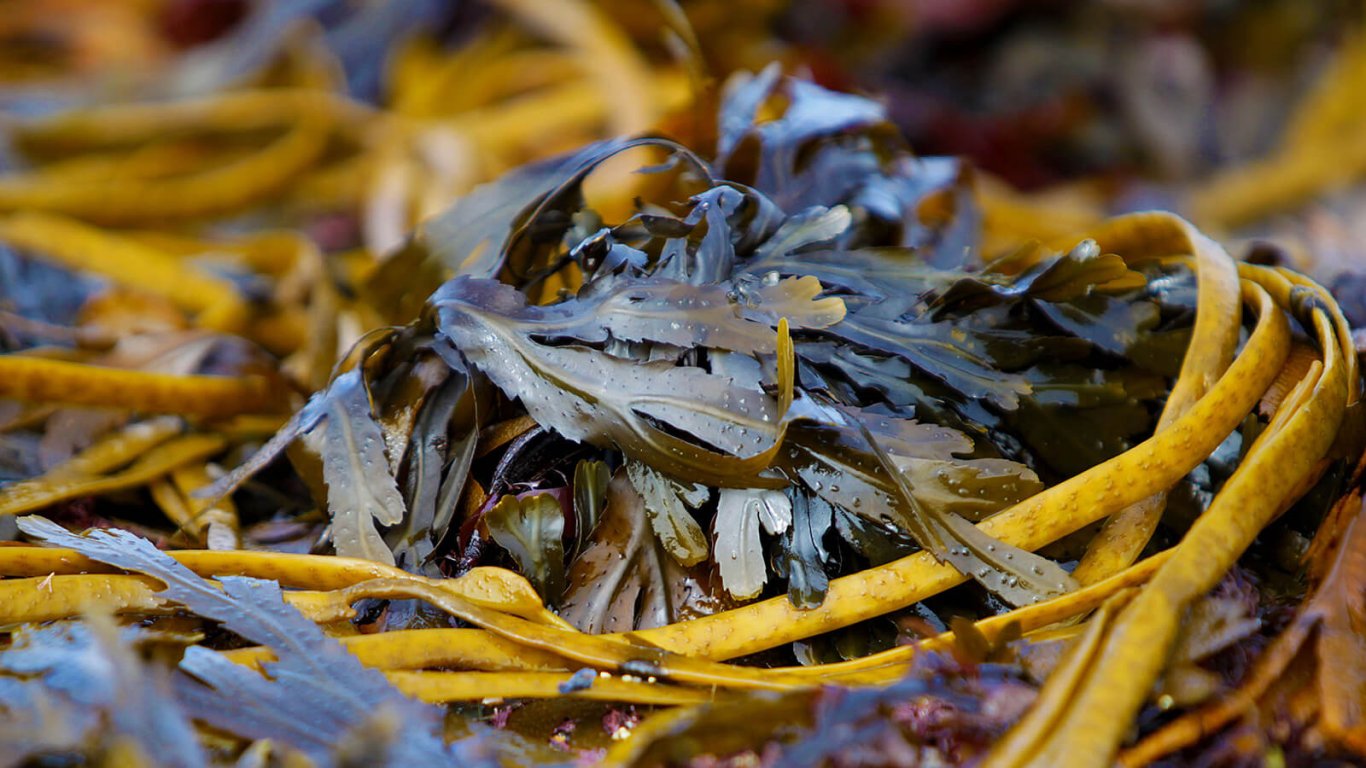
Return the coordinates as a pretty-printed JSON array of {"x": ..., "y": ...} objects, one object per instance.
[
  {"x": 317, "y": 694},
  {"x": 1015, "y": 575}
]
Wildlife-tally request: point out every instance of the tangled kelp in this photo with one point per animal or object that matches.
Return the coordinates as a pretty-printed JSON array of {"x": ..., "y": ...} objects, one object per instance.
[{"x": 779, "y": 391}]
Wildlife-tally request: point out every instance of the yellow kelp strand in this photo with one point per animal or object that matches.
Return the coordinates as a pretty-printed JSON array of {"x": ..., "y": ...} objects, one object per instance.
[
  {"x": 1281, "y": 283},
  {"x": 66, "y": 596},
  {"x": 119, "y": 448},
  {"x": 79, "y": 247},
  {"x": 482, "y": 650},
  {"x": 890, "y": 665},
  {"x": 40, "y": 380},
  {"x": 446, "y": 687},
  {"x": 1217, "y": 322},
  {"x": 1325, "y": 628},
  {"x": 54, "y": 597},
  {"x": 1011, "y": 218},
  {"x": 212, "y": 523},
  {"x": 1055, "y": 695},
  {"x": 29, "y": 495},
  {"x": 474, "y": 649},
  {"x": 618, "y": 69},
  {"x": 1324, "y": 148},
  {"x": 216, "y": 190},
  {"x": 605, "y": 652},
  {"x": 519, "y": 125},
  {"x": 490, "y": 588},
  {"x": 787, "y": 367},
  {"x": 246, "y": 111}
]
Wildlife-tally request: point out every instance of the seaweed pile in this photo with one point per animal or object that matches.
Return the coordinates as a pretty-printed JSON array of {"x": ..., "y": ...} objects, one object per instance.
[{"x": 780, "y": 449}]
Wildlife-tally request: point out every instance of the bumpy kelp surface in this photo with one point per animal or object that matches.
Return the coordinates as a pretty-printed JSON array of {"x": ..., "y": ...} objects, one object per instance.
[{"x": 538, "y": 401}]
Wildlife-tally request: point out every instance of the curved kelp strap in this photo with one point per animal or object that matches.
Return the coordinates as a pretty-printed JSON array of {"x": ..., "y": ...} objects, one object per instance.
[
  {"x": 1087, "y": 706},
  {"x": 1217, "y": 322},
  {"x": 1152, "y": 466}
]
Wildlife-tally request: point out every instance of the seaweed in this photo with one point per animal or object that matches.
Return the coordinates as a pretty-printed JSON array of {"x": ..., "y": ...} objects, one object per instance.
[
  {"x": 317, "y": 694},
  {"x": 792, "y": 446}
]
